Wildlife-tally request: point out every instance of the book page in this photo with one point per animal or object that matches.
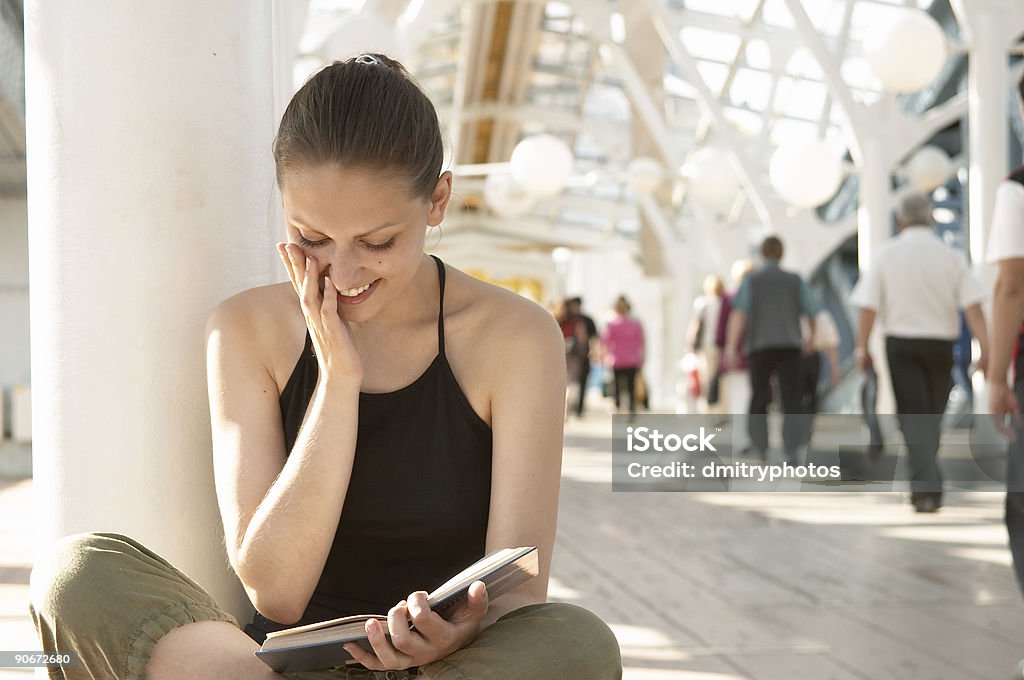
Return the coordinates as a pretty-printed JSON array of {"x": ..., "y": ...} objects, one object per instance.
[{"x": 326, "y": 624}]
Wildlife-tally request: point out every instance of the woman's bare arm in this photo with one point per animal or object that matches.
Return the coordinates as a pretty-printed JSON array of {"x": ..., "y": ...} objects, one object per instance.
[
  {"x": 280, "y": 514},
  {"x": 527, "y": 406}
]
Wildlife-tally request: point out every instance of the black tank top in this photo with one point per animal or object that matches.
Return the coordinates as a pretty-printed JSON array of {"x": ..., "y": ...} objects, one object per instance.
[{"x": 416, "y": 508}]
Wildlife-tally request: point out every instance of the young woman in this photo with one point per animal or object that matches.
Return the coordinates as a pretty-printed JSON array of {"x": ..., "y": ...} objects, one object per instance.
[
  {"x": 380, "y": 421},
  {"x": 623, "y": 342}
]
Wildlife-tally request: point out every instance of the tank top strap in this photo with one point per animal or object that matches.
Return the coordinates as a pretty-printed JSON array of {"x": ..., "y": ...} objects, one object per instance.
[{"x": 440, "y": 312}]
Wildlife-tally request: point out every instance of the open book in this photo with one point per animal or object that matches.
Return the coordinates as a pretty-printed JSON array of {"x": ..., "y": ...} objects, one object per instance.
[{"x": 318, "y": 646}]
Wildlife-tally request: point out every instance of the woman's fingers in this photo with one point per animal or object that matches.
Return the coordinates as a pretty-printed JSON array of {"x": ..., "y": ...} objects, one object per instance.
[
  {"x": 386, "y": 653},
  {"x": 310, "y": 286},
  {"x": 329, "y": 305},
  {"x": 404, "y": 639},
  {"x": 475, "y": 607},
  {"x": 364, "y": 657},
  {"x": 298, "y": 263},
  {"x": 429, "y": 623},
  {"x": 282, "y": 251}
]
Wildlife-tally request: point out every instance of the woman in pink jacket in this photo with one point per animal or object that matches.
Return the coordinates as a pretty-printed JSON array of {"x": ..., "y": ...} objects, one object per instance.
[{"x": 623, "y": 341}]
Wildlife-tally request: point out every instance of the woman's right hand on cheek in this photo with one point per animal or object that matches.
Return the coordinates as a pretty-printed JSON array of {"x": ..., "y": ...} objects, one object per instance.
[{"x": 335, "y": 352}]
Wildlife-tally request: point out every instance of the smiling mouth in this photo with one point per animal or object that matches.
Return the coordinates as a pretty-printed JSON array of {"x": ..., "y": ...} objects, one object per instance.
[
  {"x": 352, "y": 296},
  {"x": 352, "y": 292}
]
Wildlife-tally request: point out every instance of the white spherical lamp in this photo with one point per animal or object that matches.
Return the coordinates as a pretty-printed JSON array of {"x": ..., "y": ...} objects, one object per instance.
[
  {"x": 928, "y": 168},
  {"x": 645, "y": 174},
  {"x": 806, "y": 173},
  {"x": 506, "y": 198},
  {"x": 907, "y": 54},
  {"x": 541, "y": 164},
  {"x": 710, "y": 178}
]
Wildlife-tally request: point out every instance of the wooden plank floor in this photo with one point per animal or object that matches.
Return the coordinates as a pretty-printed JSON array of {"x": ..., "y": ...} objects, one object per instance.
[
  {"x": 769, "y": 586},
  {"x": 706, "y": 586}
]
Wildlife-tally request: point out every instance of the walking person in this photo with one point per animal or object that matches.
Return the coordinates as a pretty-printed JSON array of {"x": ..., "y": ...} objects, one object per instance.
[
  {"x": 701, "y": 339},
  {"x": 588, "y": 339},
  {"x": 1006, "y": 249},
  {"x": 769, "y": 306},
  {"x": 577, "y": 352},
  {"x": 915, "y": 288},
  {"x": 734, "y": 378},
  {"x": 623, "y": 342}
]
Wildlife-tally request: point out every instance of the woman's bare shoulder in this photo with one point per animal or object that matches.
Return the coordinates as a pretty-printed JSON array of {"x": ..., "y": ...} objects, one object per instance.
[
  {"x": 261, "y": 320},
  {"x": 256, "y": 307},
  {"x": 496, "y": 315}
]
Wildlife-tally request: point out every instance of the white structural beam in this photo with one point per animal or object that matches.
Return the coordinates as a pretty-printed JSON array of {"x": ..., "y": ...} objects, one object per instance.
[
  {"x": 664, "y": 24},
  {"x": 730, "y": 76},
  {"x": 812, "y": 40},
  {"x": 455, "y": 114},
  {"x": 531, "y": 230},
  {"x": 840, "y": 54},
  {"x": 563, "y": 119},
  {"x": 415, "y": 20},
  {"x": 990, "y": 27},
  {"x": 643, "y": 104},
  {"x": 149, "y": 169},
  {"x": 787, "y": 38}
]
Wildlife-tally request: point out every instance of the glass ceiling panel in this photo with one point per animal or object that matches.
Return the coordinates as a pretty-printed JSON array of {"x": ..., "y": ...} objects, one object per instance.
[
  {"x": 713, "y": 74},
  {"x": 776, "y": 14},
  {"x": 868, "y": 16},
  {"x": 607, "y": 103},
  {"x": 858, "y": 77},
  {"x": 826, "y": 15},
  {"x": 747, "y": 123},
  {"x": 751, "y": 89},
  {"x": 703, "y": 43},
  {"x": 734, "y": 9},
  {"x": 758, "y": 54},
  {"x": 800, "y": 98},
  {"x": 676, "y": 86},
  {"x": 803, "y": 63}
]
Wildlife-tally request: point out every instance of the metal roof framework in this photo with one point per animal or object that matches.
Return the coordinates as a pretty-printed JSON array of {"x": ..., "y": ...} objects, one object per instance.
[{"x": 621, "y": 78}]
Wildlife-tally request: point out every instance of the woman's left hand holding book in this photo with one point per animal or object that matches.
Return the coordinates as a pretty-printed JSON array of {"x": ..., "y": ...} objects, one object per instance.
[{"x": 418, "y": 634}]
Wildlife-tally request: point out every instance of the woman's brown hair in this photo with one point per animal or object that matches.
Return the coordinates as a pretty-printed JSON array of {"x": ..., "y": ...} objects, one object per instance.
[{"x": 368, "y": 113}]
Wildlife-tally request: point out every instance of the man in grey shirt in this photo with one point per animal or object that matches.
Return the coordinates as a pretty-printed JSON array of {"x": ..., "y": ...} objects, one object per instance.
[{"x": 769, "y": 304}]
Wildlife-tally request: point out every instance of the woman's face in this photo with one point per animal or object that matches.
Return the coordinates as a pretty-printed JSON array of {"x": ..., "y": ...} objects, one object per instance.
[{"x": 364, "y": 231}]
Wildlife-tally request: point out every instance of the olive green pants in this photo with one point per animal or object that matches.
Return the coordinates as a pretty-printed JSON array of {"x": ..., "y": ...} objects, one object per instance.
[{"x": 107, "y": 599}]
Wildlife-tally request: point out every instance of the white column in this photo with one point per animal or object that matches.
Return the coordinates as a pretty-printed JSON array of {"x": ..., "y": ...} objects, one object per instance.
[
  {"x": 986, "y": 123},
  {"x": 874, "y": 212},
  {"x": 149, "y": 178},
  {"x": 874, "y": 228},
  {"x": 990, "y": 26}
]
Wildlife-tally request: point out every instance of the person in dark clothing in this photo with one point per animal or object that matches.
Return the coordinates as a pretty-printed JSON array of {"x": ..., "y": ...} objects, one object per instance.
[
  {"x": 574, "y": 334},
  {"x": 379, "y": 422},
  {"x": 574, "y": 309},
  {"x": 769, "y": 306}
]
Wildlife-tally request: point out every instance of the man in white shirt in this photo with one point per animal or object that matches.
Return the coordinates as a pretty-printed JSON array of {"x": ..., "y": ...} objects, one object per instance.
[
  {"x": 915, "y": 288},
  {"x": 1006, "y": 248}
]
